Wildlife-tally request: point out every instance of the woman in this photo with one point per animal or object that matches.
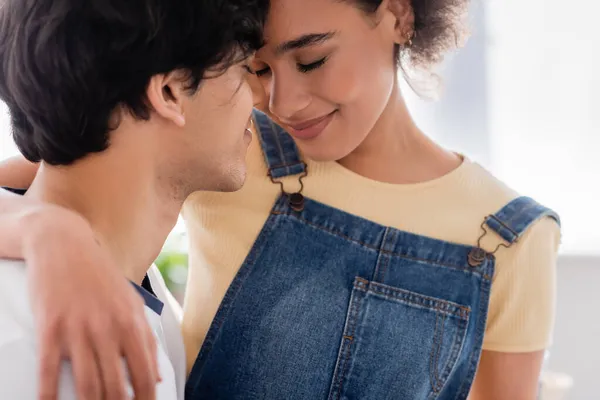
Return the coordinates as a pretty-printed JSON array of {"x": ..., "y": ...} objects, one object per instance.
[{"x": 361, "y": 259}]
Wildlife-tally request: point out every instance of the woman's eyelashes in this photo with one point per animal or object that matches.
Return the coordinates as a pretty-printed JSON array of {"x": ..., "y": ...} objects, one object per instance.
[{"x": 304, "y": 68}]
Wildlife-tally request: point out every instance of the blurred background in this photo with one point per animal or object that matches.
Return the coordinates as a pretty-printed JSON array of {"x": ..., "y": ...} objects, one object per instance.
[{"x": 522, "y": 98}]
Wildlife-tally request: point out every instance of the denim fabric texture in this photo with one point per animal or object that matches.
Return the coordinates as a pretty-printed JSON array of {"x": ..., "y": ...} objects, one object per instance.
[{"x": 328, "y": 305}]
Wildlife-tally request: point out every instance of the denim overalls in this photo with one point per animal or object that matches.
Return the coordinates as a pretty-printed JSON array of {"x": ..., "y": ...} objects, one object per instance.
[{"x": 328, "y": 305}]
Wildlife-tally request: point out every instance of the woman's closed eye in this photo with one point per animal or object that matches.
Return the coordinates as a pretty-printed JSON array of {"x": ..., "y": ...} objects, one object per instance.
[
  {"x": 304, "y": 68},
  {"x": 312, "y": 66}
]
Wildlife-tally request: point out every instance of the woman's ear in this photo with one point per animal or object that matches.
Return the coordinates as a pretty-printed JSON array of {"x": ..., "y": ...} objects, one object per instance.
[{"x": 404, "y": 28}]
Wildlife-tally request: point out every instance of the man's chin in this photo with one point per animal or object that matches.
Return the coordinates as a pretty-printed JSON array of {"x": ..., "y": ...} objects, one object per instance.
[{"x": 232, "y": 182}]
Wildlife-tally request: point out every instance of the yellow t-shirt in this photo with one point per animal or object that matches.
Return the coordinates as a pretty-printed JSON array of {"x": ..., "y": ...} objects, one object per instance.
[{"x": 224, "y": 226}]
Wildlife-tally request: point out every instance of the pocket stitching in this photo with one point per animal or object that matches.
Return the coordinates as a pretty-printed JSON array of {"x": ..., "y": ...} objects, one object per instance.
[
  {"x": 443, "y": 306},
  {"x": 435, "y": 349},
  {"x": 439, "y": 382},
  {"x": 456, "y": 348},
  {"x": 457, "y": 345},
  {"x": 463, "y": 392}
]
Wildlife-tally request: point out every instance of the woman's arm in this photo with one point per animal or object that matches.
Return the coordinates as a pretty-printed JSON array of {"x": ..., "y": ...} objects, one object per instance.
[
  {"x": 85, "y": 311},
  {"x": 17, "y": 172},
  {"x": 507, "y": 376},
  {"x": 520, "y": 317}
]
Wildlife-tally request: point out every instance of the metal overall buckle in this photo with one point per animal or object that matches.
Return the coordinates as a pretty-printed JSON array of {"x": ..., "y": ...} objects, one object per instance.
[
  {"x": 478, "y": 255},
  {"x": 296, "y": 199}
]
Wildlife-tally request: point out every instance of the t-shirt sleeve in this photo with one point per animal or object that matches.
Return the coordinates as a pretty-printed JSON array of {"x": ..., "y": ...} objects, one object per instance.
[
  {"x": 523, "y": 295},
  {"x": 19, "y": 372},
  {"x": 19, "y": 369}
]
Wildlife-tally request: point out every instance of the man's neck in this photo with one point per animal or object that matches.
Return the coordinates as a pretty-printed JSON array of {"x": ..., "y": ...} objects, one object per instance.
[{"x": 119, "y": 191}]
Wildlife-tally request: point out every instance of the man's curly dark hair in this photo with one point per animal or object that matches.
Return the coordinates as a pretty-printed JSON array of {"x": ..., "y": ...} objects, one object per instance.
[{"x": 66, "y": 65}]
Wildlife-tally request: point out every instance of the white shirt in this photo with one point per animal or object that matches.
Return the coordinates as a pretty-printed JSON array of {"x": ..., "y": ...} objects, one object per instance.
[{"x": 19, "y": 351}]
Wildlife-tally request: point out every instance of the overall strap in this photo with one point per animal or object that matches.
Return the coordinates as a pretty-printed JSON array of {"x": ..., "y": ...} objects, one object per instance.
[
  {"x": 511, "y": 222},
  {"x": 280, "y": 151}
]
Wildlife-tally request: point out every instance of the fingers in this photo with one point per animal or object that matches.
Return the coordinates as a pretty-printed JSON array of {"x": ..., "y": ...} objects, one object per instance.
[
  {"x": 153, "y": 350},
  {"x": 50, "y": 362},
  {"x": 97, "y": 361},
  {"x": 85, "y": 369},
  {"x": 92, "y": 318},
  {"x": 141, "y": 356},
  {"x": 110, "y": 364}
]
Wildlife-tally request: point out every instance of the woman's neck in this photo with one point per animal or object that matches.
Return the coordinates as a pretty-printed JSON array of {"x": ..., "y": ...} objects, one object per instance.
[{"x": 396, "y": 151}]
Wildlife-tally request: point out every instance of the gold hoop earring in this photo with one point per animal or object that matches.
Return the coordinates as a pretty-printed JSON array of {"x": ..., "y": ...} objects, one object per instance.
[{"x": 409, "y": 37}]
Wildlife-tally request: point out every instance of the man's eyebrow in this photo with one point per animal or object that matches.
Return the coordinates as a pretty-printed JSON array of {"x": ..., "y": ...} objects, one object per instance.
[{"x": 309, "y": 39}]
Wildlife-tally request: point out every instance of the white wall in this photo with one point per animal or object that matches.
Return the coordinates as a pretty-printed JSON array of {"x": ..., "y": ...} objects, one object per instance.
[
  {"x": 7, "y": 146},
  {"x": 576, "y": 349},
  {"x": 544, "y": 119}
]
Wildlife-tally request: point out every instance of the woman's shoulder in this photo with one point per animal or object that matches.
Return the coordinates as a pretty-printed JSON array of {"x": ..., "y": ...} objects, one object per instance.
[
  {"x": 484, "y": 192},
  {"x": 481, "y": 190},
  {"x": 483, "y": 187},
  {"x": 476, "y": 193}
]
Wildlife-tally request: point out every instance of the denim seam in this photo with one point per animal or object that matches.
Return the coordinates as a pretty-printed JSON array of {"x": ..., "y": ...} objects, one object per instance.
[
  {"x": 439, "y": 381},
  {"x": 380, "y": 256},
  {"x": 352, "y": 317},
  {"x": 230, "y": 296},
  {"x": 524, "y": 210},
  {"x": 457, "y": 345},
  {"x": 505, "y": 226},
  {"x": 277, "y": 141},
  {"x": 391, "y": 253},
  {"x": 387, "y": 259},
  {"x": 407, "y": 296},
  {"x": 263, "y": 143},
  {"x": 434, "y": 357},
  {"x": 286, "y": 165},
  {"x": 472, "y": 361}
]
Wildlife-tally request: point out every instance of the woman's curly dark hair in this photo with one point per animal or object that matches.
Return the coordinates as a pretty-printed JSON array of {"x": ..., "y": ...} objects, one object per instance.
[{"x": 438, "y": 28}]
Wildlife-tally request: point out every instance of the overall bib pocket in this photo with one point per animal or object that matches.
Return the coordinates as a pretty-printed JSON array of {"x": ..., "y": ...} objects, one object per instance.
[{"x": 392, "y": 339}]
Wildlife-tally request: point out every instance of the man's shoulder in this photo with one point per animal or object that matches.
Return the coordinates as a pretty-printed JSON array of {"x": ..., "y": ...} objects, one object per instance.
[
  {"x": 9, "y": 265},
  {"x": 16, "y": 319},
  {"x": 20, "y": 192},
  {"x": 13, "y": 277}
]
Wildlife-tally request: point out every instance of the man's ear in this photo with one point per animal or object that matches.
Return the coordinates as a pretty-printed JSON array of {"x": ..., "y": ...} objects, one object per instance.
[{"x": 166, "y": 94}]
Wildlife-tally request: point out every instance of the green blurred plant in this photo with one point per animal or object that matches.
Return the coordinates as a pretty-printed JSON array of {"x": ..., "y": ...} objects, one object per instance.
[{"x": 173, "y": 262}]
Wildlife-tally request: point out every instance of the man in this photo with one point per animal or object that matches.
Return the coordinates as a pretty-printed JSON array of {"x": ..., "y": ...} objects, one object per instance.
[{"x": 129, "y": 106}]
